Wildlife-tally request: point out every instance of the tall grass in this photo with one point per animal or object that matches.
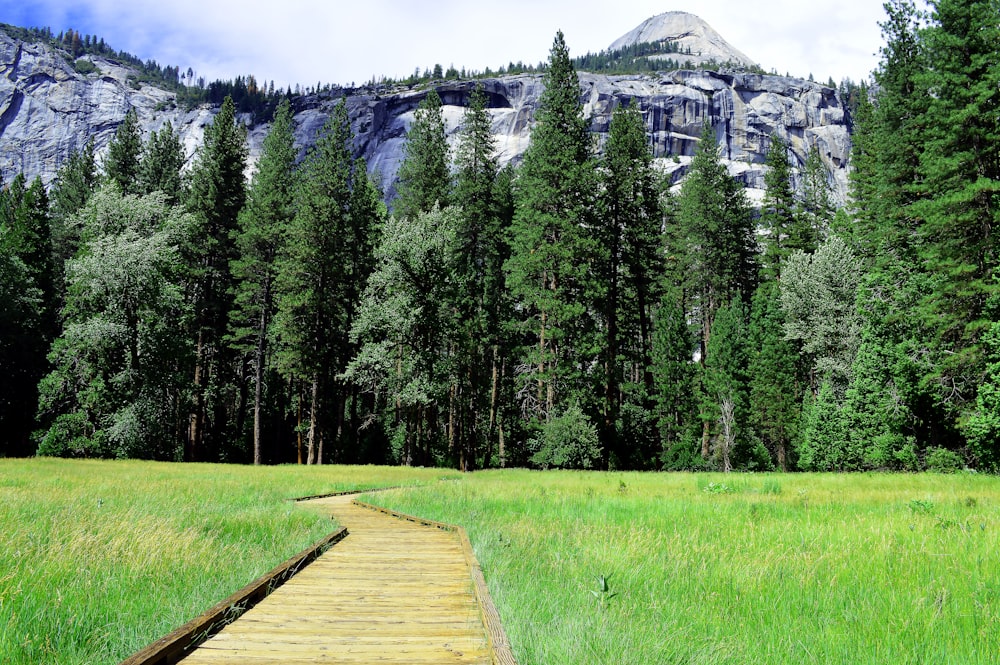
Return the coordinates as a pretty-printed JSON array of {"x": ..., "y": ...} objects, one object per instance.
[
  {"x": 733, "y": 569},
  {"x": 97, "y": 559}
]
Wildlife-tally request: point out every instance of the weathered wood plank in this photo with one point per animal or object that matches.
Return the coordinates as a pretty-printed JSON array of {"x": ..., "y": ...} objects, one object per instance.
[{"x": 393, "y": 592}]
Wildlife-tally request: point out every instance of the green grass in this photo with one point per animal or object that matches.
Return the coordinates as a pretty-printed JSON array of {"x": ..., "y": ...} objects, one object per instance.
[
  {"x": 733, "y": 569},
  {"x": 98, "y": 559}
]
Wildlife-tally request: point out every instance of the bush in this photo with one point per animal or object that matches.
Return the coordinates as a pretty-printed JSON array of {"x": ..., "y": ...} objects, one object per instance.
[
  {"x": 85, "y": 67},
  {"x": 567, "y": 442},
  {"x": 942, "y": 460}
]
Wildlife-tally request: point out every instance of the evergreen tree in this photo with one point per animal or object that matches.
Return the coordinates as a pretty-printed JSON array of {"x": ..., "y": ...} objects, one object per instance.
[
  {"x": 321, "y": 269},
  {"x": 959, "y": 180},
  {"x": 75, "y": 182},
  {"x": 816, "y": 210},
  {"x": 674, "y": 378},
  {"x": 216, "y": 196},
  {"x": 121, "y": 165},
  {"x": 161, "y": 164},
  {"x": 262, "y": 227},
  {"x": 28, "y": 302},
  {"x": 424, "y": 179},
  {"x": 824, "y": 436},
  {"x": 482, "y": 251},
  {"x": 778, "y": 210},
  {"x": 713, "y": 243},
  {"x": 983, "y": 426},
  {"x": 548, "y": 273},
  {"x": 630, "y": 266},
  {"x": 775, "y": 388}
]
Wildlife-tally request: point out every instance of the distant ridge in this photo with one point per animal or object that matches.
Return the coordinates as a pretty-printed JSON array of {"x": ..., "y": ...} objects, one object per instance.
[{"x": 698, "y": 41}]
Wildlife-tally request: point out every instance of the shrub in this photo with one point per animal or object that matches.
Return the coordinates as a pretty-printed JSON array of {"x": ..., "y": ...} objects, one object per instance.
[
  {"x": 942, "y": 460},
  {"x": 85, "y": 67},
  {"x": 569, "y": 441}
]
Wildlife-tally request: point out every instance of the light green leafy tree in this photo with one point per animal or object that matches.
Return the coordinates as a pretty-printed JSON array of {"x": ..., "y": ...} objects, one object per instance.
[{"x": 120, "y": 376}]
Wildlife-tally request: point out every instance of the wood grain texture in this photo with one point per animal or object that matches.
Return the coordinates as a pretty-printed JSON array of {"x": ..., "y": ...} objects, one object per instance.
[{"x": 393, "y": 591}]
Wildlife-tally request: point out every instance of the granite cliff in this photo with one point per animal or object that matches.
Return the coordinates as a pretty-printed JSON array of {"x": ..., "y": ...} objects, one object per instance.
[{"x": 49, "y": 109}]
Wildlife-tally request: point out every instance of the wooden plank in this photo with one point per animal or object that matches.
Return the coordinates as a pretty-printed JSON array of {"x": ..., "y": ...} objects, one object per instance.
[
  {"x": 394, "y": 591},
  {"x": 173, "y": 647}
]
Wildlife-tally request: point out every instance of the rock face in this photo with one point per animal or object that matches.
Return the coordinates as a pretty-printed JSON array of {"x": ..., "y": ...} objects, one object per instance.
[
  {"x": 688, "y": 31},
  {"x": 48, "y": 110}
]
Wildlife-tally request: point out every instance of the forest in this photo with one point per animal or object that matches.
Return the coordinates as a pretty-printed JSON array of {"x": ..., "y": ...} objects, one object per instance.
[{"x": 572, "y": 312}]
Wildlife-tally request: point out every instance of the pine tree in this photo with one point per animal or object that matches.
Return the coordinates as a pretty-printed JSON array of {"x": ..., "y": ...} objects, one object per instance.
[
  {"x": 262, "y": 227},
  {"x": 75, "y": 182},
  {"x": 216, "y": 196},
  {"x": 824, "y": 435},
  {"x": 482, "y": 251},
  {"x": 424, "y": 179},
  {"x": 775, "y": 387},
  {"x": 28, "y": 302},
  {"x": 816, "y": 210},
  {"x": 548, "y": 273},
  {"x": 121, "y": 165},
  {"x": 313, "y": 309},
  {"x": 630, "y": 265},
  {"x": 712, "y": 243},
  {"x": 960, "y": 179},
  {"x": 161, "y": 164},
  {"x": 674, "y": 378},
  {"x": 778, "y": 209}
]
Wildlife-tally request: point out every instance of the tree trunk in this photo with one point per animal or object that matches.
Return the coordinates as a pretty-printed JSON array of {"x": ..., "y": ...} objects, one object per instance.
[
  {"x": 298, "y": 425},
  {"x": 197, "y": 429},
  {"x": 258, "y": 389},
  {"x": 313, "y": 417}
]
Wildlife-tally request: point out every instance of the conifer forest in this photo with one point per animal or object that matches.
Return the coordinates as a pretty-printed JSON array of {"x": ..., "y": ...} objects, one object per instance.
[{"x": 578, "y": 310}]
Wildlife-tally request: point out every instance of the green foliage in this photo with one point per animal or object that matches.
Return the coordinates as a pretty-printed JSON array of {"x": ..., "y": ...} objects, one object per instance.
[
  {"x": 983, "y": 425},
  {"x": 216, "y": 195},
  {"x": 713, "y": 240},
  {"x": 424, "y": 180},
  {"x": 551, "y": 248},
  {"x": 775, "y": 384},
  {"x": 673, "y": 381},
  {"x": 321, "y": 272},
  {"x": 630, "y": 273},
  {"x": 120, "y": 369},
  {"x": 121, "y": 165},
  {"x": 824, "y": 444},
  {"x": 568, "y": 441},
  {"x": 778, "y": 209},
  {"x": 942, "y": 460},
  {"x": 161, "y": 163},
  {"x": 818, "y": 296},
  {"x": 263, "y": 225}
]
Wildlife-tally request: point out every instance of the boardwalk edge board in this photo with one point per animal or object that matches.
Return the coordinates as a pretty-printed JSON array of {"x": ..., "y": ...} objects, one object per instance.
[
  {"x": 172, "y": 648},
  {"x": 499, "y": 646},
  {"x": 346, "y": 492}
]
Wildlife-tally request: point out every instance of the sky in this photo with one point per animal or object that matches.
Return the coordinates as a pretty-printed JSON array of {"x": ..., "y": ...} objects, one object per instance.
[{"x": 344, "y": 42}]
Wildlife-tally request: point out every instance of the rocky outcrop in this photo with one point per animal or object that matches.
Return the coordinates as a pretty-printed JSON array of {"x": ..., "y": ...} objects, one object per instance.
[
  {"x": 698, "y": 41},
  {"x": 48, "y": 110}
]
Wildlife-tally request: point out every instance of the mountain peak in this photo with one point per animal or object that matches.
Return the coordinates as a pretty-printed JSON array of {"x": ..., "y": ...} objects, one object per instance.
[{"x": 698, "y": 41}]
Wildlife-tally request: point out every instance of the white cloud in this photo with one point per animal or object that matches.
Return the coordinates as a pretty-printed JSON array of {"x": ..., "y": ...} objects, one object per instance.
[{"x": 302, "y": 41}]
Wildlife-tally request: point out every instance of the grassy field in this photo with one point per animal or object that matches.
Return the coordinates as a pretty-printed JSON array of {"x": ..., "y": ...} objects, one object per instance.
[
  {"x": 97, "y": 559},
  {"x": 733, "y": 569}
]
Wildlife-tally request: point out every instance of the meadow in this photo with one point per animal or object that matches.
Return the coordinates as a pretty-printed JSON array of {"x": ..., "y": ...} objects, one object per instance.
[
  {"x": 701, "y": 568},
  {"x": 99, "y": 558}
]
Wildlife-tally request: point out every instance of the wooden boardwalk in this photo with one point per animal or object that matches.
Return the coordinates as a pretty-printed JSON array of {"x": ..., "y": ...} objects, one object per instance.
[{"x": 391, "y": 592}]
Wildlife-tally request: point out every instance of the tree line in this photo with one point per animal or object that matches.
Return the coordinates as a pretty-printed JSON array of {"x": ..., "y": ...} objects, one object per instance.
[{"x": 572, "y": 312}]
